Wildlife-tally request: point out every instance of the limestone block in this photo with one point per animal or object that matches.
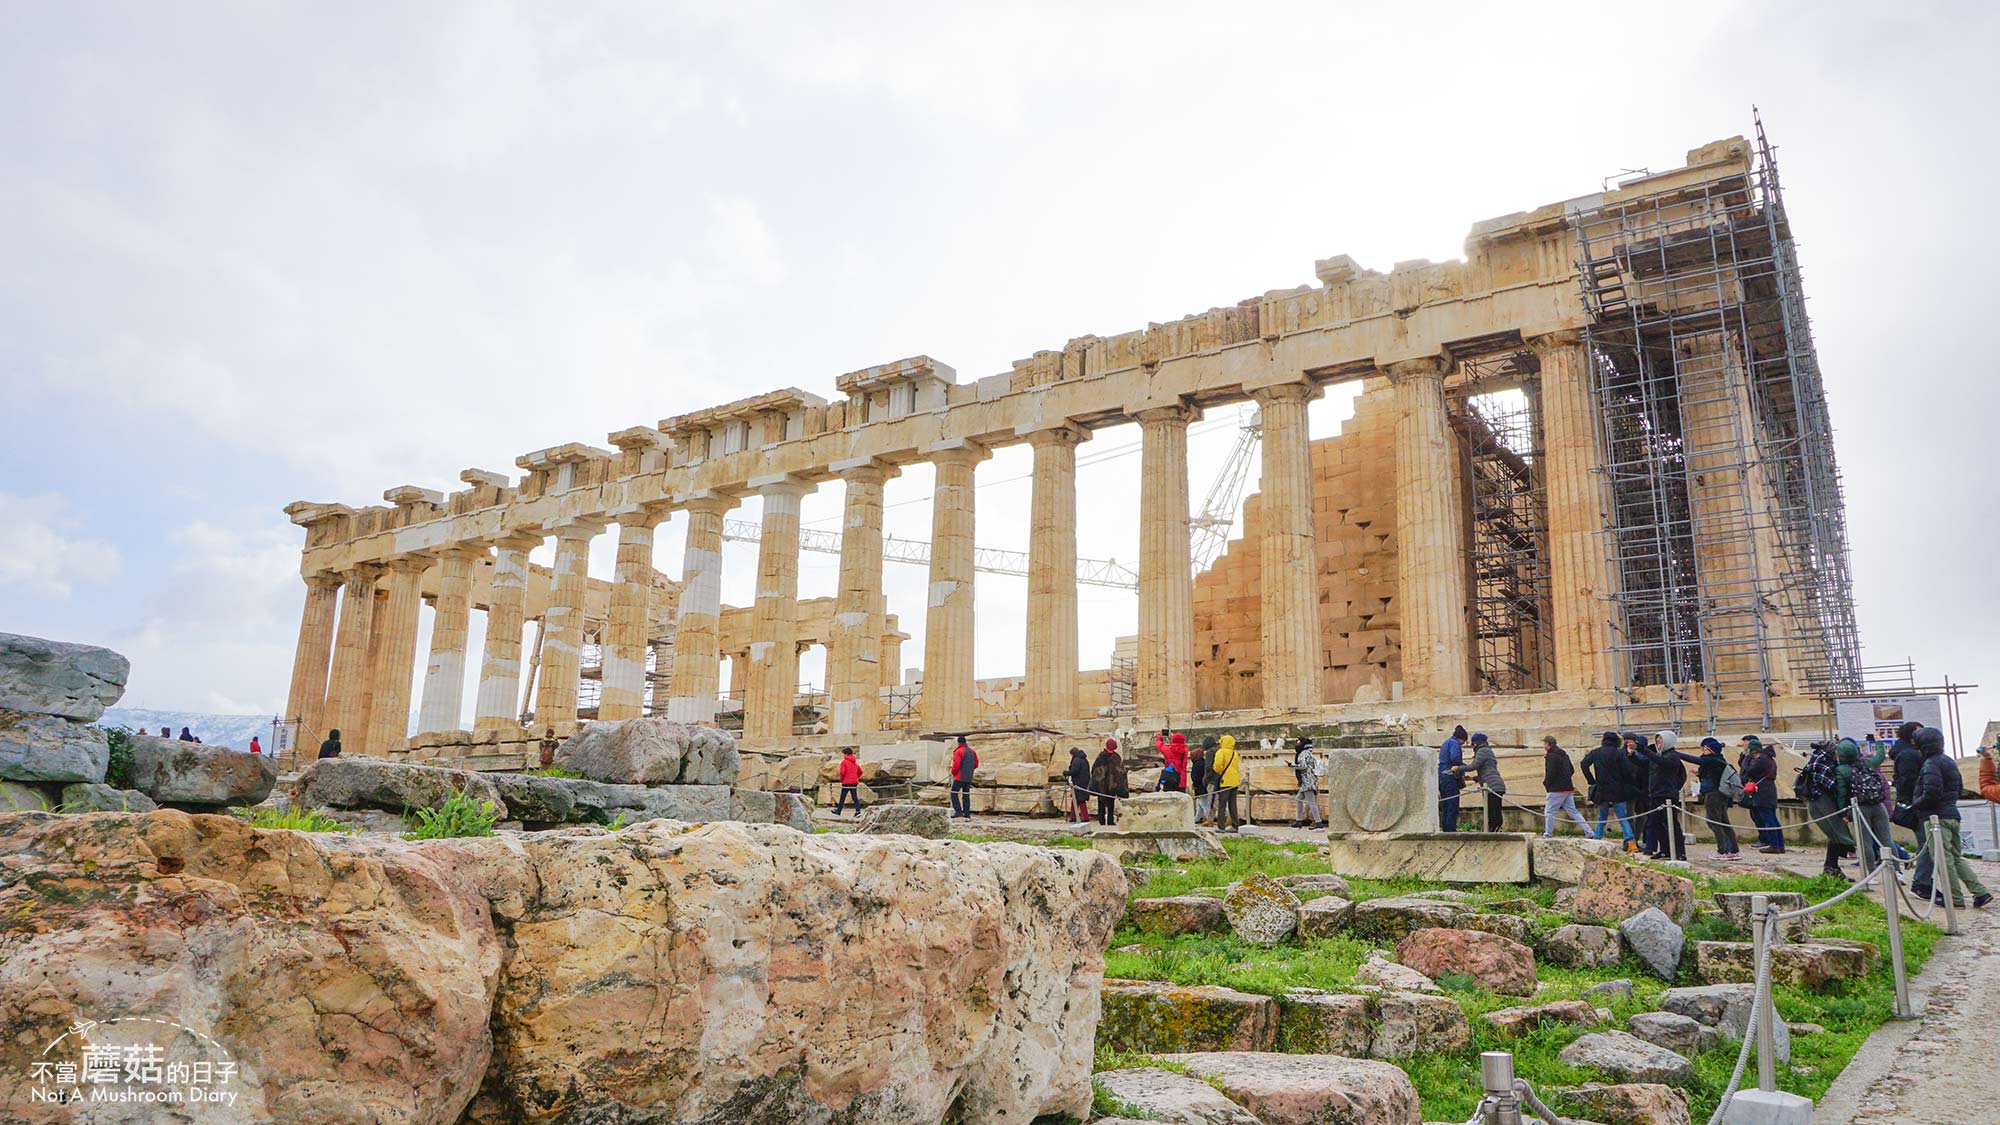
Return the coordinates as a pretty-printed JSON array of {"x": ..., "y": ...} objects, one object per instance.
[
  {"x": 1156, "y": 1017},
  {"x": 16, "y": 796},
  {"x": 1655, "y": 940},
  {"x": 1181, "y": 914},
  {"x": 1677, "y": 1033},
  {"x": 1583, "y": 947},
  {"x": 1018, "y": 802},
  {"x": 1273, "y": 777},
  {"x": 1727, "y": 1008},
  {"x": 1142, "y": 780},
  {"x": 1330, "y": 1023},
  {"x": 1157, "y": 812},
  {"x": 50, "y": 748},
  {"x": 1513, "y": 927},
  {"x": 800, "y": 772},
  {"x": 1166, "y": 1095},
  {"x": 1412, "y": 1023},
  {"x": 1380, "y": 972},
  {"x": 928, "y": 821},
  {"x": 535, "y": 800},
  {"x": 58, "y": 678},
  {"x": 1451, "y": 857},
  {"x": 1022, "y": 775},
  {"x": 1260, "y": 911},
  {"x": 1809, "y": 965},
  {"x": 1612, "y": 891},
  {"x": 1559, "y": 859},
  {"x": 1316, "y": 883},
  {"x": 371, "y": 783},
  {"x": 1736, "y": 910},
  {"x": 95, "y": 796},
  {"x": 1390, "y": 919},
  {"x": 754, "y": 772},
  {"x": 1382, "y": 790},
  {"x": 1634, "y": 1103},
  {"x": 1324, "y": 917},
  {"x": 1289, "y": 1089},
  {"x": 189, "y": 773},
  {"x": 1504, "y": 966},
  {"x": 1628, "y": 1058},
  {"x": 1139, "y": 847},
  {"x": 1514, "y": 1021}
]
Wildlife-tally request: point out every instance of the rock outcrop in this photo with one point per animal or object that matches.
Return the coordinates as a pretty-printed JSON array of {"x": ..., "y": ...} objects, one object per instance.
[
  {"x": 1611, "y": 891},
  {"x": 927, "y": 821},
  {"x": 57, "y": 678},
  {"x": 1181, "y": 914},
  {"x": 1504, "y": 966},
  {"x": 1260, "y": 911},
  {"x": 1311, "y": 1089},
  {"x": 189, "y": 773},
  {"x": 651, "y": 752}
]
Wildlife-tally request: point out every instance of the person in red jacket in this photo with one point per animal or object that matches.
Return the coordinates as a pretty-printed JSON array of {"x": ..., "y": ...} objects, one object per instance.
[
  {"x": 850, "y": 782},
  {"x": 963, "y": 762},
  {"x": 1173, "y": 778}
]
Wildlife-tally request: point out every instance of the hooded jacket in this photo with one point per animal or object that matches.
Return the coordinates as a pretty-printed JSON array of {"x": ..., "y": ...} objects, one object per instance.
[
  {"x": 1306, "y": 764},
  {"x": 1909, "y": 763},
  {"x": 1227, "y": 765},
  {"x": 1079, "y": 768},
  {"x": 1450, "y": 754},
  {"x": 963, "y": 762},
  {"x": 1666, "y": 775},
  {"x": 1486, "y": 765},
  {"x": 850, "y": 770},
  {"x": 1107, "y": 773},
  {"x": 1607, "y": 772},
  {"x": 1989, "y": 780},
  {"x": 331, "y": 747},
  {"x": 1761, "y": 770},
  {"x": 1939, "y": 783},
  {"x": 1200, "y": 778},
  {"x": 1176, "y": 753}
]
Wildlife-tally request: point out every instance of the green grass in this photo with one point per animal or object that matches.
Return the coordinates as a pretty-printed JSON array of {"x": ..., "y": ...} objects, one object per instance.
[
  {"x": 1449, "y": 1083},
  {"x": 553, "y": 771},
  {"x": 460, "y": 815},
  {"x": 298, "y": 820}
]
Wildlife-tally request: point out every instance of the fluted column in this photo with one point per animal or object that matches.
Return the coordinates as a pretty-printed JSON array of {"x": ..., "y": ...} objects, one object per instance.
[
  {"x": 444, "y": 674},
  {"x": 395, "y": 662},
  {"x": 1430, "y": 545},
  {"x": 774, "y": 616},
  {"x": 1051, "y": 665},
  {"x": 1580, "y": 578},
  {"x": 562, "y": 625},
  {"x": 499, "y": 702},
  {"x": 306, "y": 702},
  {"x": 625, "y": 635},
  {"x": 1166, "y": 565},
  {"x": 948, "y": 620},
  {"x": 854, "y": 651},
  {"x": 697, "y": 631},
  {"x": 1288, "y": 567},
  {"x": 347, "y": 687}
]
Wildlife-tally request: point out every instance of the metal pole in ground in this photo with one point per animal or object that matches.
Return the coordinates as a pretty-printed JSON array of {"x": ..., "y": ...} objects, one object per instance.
[
  {"x": 1496, "y": 1074},
  {"x": 1761, "y": 1019},
  {"x": 1892, "y": 907}
]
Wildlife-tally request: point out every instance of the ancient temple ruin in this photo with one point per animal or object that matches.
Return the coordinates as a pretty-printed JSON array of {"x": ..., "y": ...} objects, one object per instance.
[{"x": 1589, "y": 478}]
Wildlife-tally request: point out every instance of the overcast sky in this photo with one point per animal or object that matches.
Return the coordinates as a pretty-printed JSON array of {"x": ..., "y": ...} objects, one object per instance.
[{"x": 256, "y": 253}]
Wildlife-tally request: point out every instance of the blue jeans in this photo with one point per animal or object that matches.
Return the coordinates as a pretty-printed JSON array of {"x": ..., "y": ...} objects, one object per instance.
[
  {"x": 1768, "y": 833},
  {"x": 1448, "y": 813},
  {"x": 961, "y": 798},
  {"x": 1624, "y": 819}
]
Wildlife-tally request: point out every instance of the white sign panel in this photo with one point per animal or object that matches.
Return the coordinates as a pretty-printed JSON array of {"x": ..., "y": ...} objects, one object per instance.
[{"x": 1880, "y": 715}]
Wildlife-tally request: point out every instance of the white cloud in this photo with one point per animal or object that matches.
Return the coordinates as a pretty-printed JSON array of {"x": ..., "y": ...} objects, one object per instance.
[
  {"x": 40, "y": 553},
  {"x": 742, "y": 243}
]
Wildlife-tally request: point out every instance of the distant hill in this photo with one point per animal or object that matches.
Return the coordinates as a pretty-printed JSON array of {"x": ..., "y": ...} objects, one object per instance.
[{"x": 215, "y": 730}]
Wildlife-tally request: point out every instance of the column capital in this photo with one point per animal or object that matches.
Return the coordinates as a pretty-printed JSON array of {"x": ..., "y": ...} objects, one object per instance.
[
  {"x": 574, "y": 529},
  {"x": 958, "y": 451},
  {"x": 469, "y": 549},
  {"x": 709, "y": 502},
  {"x": 783, "y": 484},
  {"x": 1068, "y": 433},
  {"x": 363, "y": 574},
  {"x": 648, "y": 514},
  {"x": 865, "y": 470},
  {"x": 1555, "y": 341},
  {"x": 1412, "y": 370},
  {"x": 519, "y": 540},
  {"x": 1305, "y": 390},
  {"x": 324, "y": 580},
  {"x": 1177, "y": 414},
  {"x": 416, "y": 562}
]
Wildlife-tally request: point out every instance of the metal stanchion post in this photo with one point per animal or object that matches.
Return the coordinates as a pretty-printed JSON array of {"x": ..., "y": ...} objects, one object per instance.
[
  {"x": 1856, "y": 829},
  {"x": 1762, "y": 1018},
  {"x": 1892, "y": 906},
  {"x": 1496, "y": 1074}
]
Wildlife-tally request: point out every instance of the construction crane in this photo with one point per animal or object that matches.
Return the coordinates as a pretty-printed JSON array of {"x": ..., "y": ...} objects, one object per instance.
[{"x": 1208, "y": 533}]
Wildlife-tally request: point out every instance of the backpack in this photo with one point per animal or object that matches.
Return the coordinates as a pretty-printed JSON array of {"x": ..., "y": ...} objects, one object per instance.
[
  {"x": 1818, "y": 778},
  {"x": 1730, "y": 784},
  {"x": 1867, "y": 785}
]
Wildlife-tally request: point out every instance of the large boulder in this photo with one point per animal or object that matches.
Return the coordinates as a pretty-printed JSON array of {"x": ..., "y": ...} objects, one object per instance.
[
  {"x": 1728, "y": 1009},
  {"x": 1677, "y": 1033},
  {"x": 377, "y": 783},
  {"x": 1381, "y": 972},
  {"x": 1260, "y": 911},
  {"x": 1629, "y": 1103},
  {"x": 1324, "y": 1023},
  {"x": 711, "y": 758},
  {"x": 1655, "y": 940},
  {"x": 1310, "y": 1089},
  {"x": 1393, "y": 919},
  {"x": 1504, "y": 966},
  {"x": 928, "y": 821},
  {"x": 1181, "y": 914},
  {"x": 189, "y": 773},
  {"x": 1140, "y": 847},
  {"x": 1812, "y": 965},
  {"x": 95, "y": 796},
  {"x": 352, "y": 980},
  {"x": 1411, "y": 1023},
  {"x": 1324, "y": 917},
  {"x": 57, "y": 678},
  {"x": 48, "y": 748},
  {"x": 1611, "y": 891},
  {"x": 1168, "y": 1095},
  {"x": 1514, "y": 1021},
  {"x": 1154, "y": 1016},
  {"x": 1627, "y": 1058},
  {"x": 534, "y": 800},
  {"x": 651, "y": 752},
  {"x": 1560, "y": 859},
  {"x": 1582, "y": 947}
]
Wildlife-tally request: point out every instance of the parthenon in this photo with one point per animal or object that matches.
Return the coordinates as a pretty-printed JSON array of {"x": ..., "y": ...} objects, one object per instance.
[{"x": 1589, "y": 468}]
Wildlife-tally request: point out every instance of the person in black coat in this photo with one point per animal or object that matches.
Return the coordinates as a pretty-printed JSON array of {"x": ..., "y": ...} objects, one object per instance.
[
  {"x": 1609, "y": 776},
  {"x": 1938, "y": 787},
  {"x": 1666, "y": 779},
  {"x": 1559, "y": 782},
  {"x": 1201, "y": 780},
  {"x": 1909, "y": 762},
  {"x": 1107, "y": 778},
  {"x": 1079, "y": 785},
  {"x": 331, "y": 747},
  {"x": 1760, "y": 784},
  {"x": 1708, "y": 767}
]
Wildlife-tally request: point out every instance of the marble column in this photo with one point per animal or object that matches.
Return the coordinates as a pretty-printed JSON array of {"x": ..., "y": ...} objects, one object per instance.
[
  {"x": 395, "y": 663},
  {"x": 625, "y": 634},
  {"x": 1166, "y": 566},
  {"x": 697, "y": 631},
  {"x": 948, "y": 620},
  {"x": 1580, "y": 575},
  {"x": 774, "y": 616},
  {"x": 1050, "y": 688},
  {"x": 347, "y": 687},
  {"x": 854, "y": 652},
  {"x": 562, "y": 626},
  {"x": 444, "y": 675},
  {"x": 1430, "y": 540},
  {"x": 498, "y": 705},
  {"x": 1288, "y": 568},
  {"x": 306, "y": 702}
]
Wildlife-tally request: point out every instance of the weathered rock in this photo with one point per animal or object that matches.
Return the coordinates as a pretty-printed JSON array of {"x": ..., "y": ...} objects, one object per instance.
[
  {"x": 1727, "y": 1008},
  {"x": 645, "y": 751},
  {"x": 535, "y": 800},
  {"x": 1565, "y": 900},
  {"x": 1324, "y": 1023},
  {"x": 1311, "y": 1089},
  {"x": 794, "y": 810},
  {"x": 1522, "y": 907},
  {"x": 17, "y": 796},
  {"x": 1166, "y": 1095},
  {"x": 1612, "y": 891},
  {"x": 801, "y": 772},
  {"x": 1154, "y": 1016},
  {"x": 1630, "y": 1103},
  {"x": 928, "y": 821},
  {"x": 1157, "y": 812},
  {"x": 1384, "y": 789},
  {"x": 1510, "y": 926},
  {"x": 376, "y": 783},
  {"x": 1504, "y": 966},
  {"x": 1677, "y": 1033},
  {"x": 1260, "y": 911},
  {"x": 1384, "y": 973},
  {"x": 1807, "y": 965},
  {"x": 712, "y": 757},
  {"x": 49, "y": 748},
  {"x": 1560, "y": 859},
  {"x": 1514, "y": 1021},
  {"x": 1314, "y": 884},
  {"x": 1610, "y": 992},
  {"x": 1627, "y": 1058},
  {"x": 1582, "y": 947},
  {"x": 1323, "y": 917},
  {"x": 695, "y": 804},
  {"x": 367, "y": 820},
  {"x": 349, "y": 972},
  {"x": 1735, "y": 906},
  {"x": 1182, "y": 914},
  {"x": 84, "y": 797},
  {"x": 58, "y": 678},
  {"x": 1392, "y": 919},
  {"x": 1655, "y": 940},
  {"x": 1411, "y": 1023},
  {"x": 189, "y": 773},
  {"x": 1140, "y": 847}
]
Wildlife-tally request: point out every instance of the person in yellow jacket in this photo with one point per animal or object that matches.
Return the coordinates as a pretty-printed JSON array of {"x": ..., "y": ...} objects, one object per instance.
[{"x": 1227, "y": 765}]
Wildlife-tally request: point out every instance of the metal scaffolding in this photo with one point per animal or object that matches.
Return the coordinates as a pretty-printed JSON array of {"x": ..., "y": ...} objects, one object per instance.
[
  {"x": 1726, "y": 523},
  {"x": 1506, "y": 517}
]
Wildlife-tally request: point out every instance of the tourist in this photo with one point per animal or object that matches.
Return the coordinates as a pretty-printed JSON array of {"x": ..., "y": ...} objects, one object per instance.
[
  {"x": 1826, "y": 804},
  {"x": 1866, "y": 790},
  {"x": 331, "y": 747},
  {"x": 1200, "y": 779},
  {"x": 1227, "y": 766},
  {"x": 1079, "y": 786},
  {"x": 1937, "y": 796},
  {"x": 1666, "y": 781},
  {"x": 1709, "y": 770},
  {"x": 1989, "y": 779},
  {"x": 166, "y": 733},
  {"x": 187, "y": 737},
  {"x": 1306, "y": 765},
  {"x": 1909, "y": 762},
  {"x": 1760, "y": 784},
  {"x": 963, "y": 762},
  {"x": 1487, "y": 767},
  {"x": 1107, "y": 777},
  {"x": 255, "y": 746},
  {"x": 850, "y": 782},
  {"x": 1451, "y": 778},
  {"x": 1609, "y": 776},
  {"x": 1173, "y": 775},
  {"x": 1641, "y": 791},
  {"x": 1873, "y": 754},
  {"x": 549, "y": 747},
  {"x": 1559, "y": 782}
]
